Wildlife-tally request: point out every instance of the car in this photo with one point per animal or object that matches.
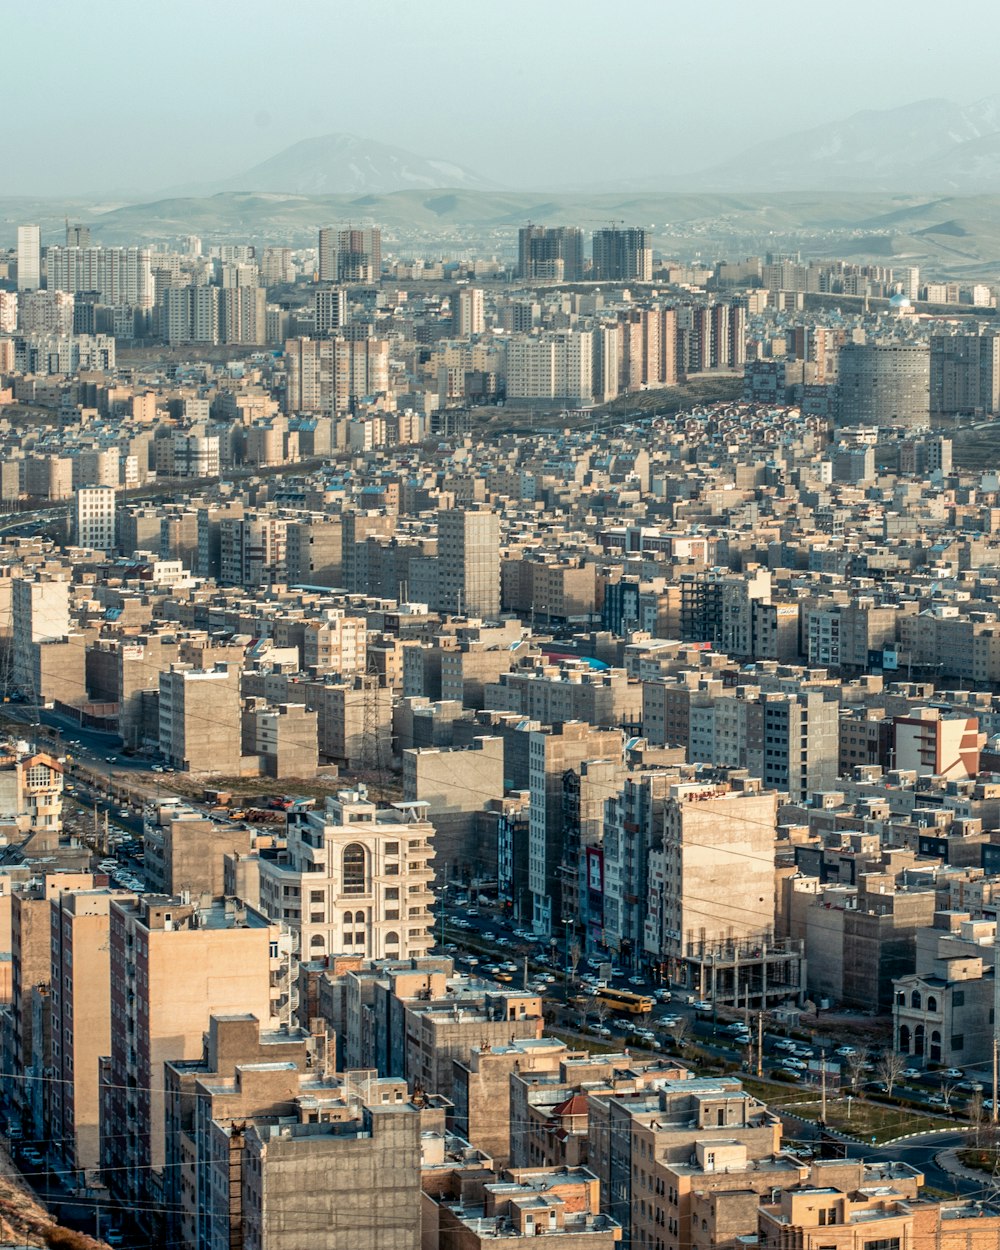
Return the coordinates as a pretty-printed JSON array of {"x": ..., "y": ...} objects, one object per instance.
[
  {"x": 936, "y": 1100},
  {"x": 953, "y": 1074},
  {"x": 845, "y": 1052},
  {"x": 662, "y": 996},
  {"x": 669, "y": 1022},
  {"x": 789, "y": 1074},
  {"x": 489, "y": 937},
  {"x": 114, "y": 1236},
  {"x": 987, "y": 1104},
  {"x": 701, "y": 1005},
  {"x": 786, "y": 1045},
  {"x": 970, "y": 1087},
  {"x": 124, "y": 812},
  {"x": 796, "y": 1065},
  {"x": 911, "y": 1074},
  {"x": 737, "y": 1027},
  {"x": 603, "y": 1031},
  {"x": 636, "y": 981}
]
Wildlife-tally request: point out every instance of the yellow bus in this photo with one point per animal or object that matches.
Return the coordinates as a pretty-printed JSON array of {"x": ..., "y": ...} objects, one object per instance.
[{"x": 625, "y": 1000}]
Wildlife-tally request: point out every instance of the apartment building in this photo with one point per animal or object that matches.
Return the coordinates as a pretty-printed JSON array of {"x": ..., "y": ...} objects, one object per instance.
[
  {"x": 354, "y": 880},
  {"x": 551, "y": 752},
  {"x": 80, "y": 1004},
  {"x": 172, "y": 964},
  {"x": 199, "y": 715}
]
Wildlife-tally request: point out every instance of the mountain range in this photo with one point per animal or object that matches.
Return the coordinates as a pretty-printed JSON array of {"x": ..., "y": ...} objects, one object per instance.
[
  {"x": 930, "y": 146},
  {"x": 345, "y": 164}
]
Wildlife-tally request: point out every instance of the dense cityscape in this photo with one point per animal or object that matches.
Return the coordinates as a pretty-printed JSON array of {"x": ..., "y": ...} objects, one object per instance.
[{"x": 499, "y": 723}]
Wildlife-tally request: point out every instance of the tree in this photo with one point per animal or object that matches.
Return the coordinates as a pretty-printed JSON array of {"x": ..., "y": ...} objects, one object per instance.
[
  {"x": 574, "y": 961},
  {"x": 974, "y": 1112},
  {"x": 947, "y": 1091},
  {"x": 890, "y": 1068},
  {"x": 856, "y": 1065},
  {"x": 680, "y": 1031},
  {"x": 602, "y": 1011}
]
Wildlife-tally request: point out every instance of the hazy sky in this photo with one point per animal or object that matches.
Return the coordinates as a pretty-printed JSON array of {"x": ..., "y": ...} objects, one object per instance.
[{"x": 115, "y": 96}]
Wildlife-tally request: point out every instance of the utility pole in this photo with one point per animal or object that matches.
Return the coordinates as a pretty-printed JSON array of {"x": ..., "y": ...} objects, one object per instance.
[
  {"x": 822, "y": 1085},
  {"x": 996, "y": 1020},
  {"x": 443, "y": 899},
  {"x": 760, "y": 1043}
]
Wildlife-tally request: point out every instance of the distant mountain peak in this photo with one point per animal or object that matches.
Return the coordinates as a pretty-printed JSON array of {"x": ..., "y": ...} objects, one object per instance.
[
  {"x": 930, "y": 146},
  {"x": 347, "y": 164}
]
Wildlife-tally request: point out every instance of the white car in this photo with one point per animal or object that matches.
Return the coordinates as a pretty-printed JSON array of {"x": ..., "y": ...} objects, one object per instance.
[{"x": 845, "y": 1052}]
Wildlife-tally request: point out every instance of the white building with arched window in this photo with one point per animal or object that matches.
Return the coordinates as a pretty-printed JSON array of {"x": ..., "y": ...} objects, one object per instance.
[{"x": 354, "y": 879}]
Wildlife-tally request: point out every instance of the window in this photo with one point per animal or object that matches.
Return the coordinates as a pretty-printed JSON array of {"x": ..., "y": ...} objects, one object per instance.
[
  {"x": 915, "y": 999},
  {"x": 883, "y": 1243},
  {"x": 316, "y": 896},
  {"x": 958, "y": 1041},
  {"x": 931, "y": 1003},
  {"x": 354, "y": 869},
  {"x": 958, "y": 998}
]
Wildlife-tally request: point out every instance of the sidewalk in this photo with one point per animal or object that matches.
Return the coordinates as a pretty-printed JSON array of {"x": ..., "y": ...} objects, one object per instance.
[{"x": 947, "y": 1161}]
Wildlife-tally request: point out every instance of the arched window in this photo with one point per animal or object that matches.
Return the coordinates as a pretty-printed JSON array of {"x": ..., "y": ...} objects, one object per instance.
[
  {"x": 915, "y": 999},
  {"x": 355, "y": 865},
  {"x": 316, "y": 940},
  {"x": 904, "y": 1039},
  {"x": 391, "y": 938},
  {"x": 359, "y": 917},
  {"x": 918, "y": 1040},
  {"x": 932, "y": 1003},
  {"x": 935, "y": 1047}
]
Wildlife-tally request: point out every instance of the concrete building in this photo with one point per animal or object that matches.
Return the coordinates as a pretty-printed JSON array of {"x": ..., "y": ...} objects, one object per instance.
[
  {"x": 481, "y": 1090},
  {"x": 468, "y": 313},
  {"x": 528, "y": 1202},
  {"x": 324, "y": 1184},
  {"x": 94, "y": 520},
  {"x": 283, "y": 738},
  {"x": 456, "y": 785},
  {"x": 621, "y": 256},
  {"x": 81, "y": 1025},
  {"x": 942, "y": 1011},
  {"x": 184, "y": 850},
  {"x": 884, "y": 384},
  {"x": 200, "y": 718},
  {"x": 29, "y": 258},
  {"x": 353, "y": 880},
  {"x": 172, "y": 965},
  {"x": 469, "y": 563},
  {"x": 717, "y": 843},
  {"x": 555, "y": 366},
  {"x": 243, "y": 1071},
  {"x": 551, "y": 752},
  {"x": 550, "y": 253},
  {"x": 964, "y": 374},
  {"x": 932, "y": 744}
]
